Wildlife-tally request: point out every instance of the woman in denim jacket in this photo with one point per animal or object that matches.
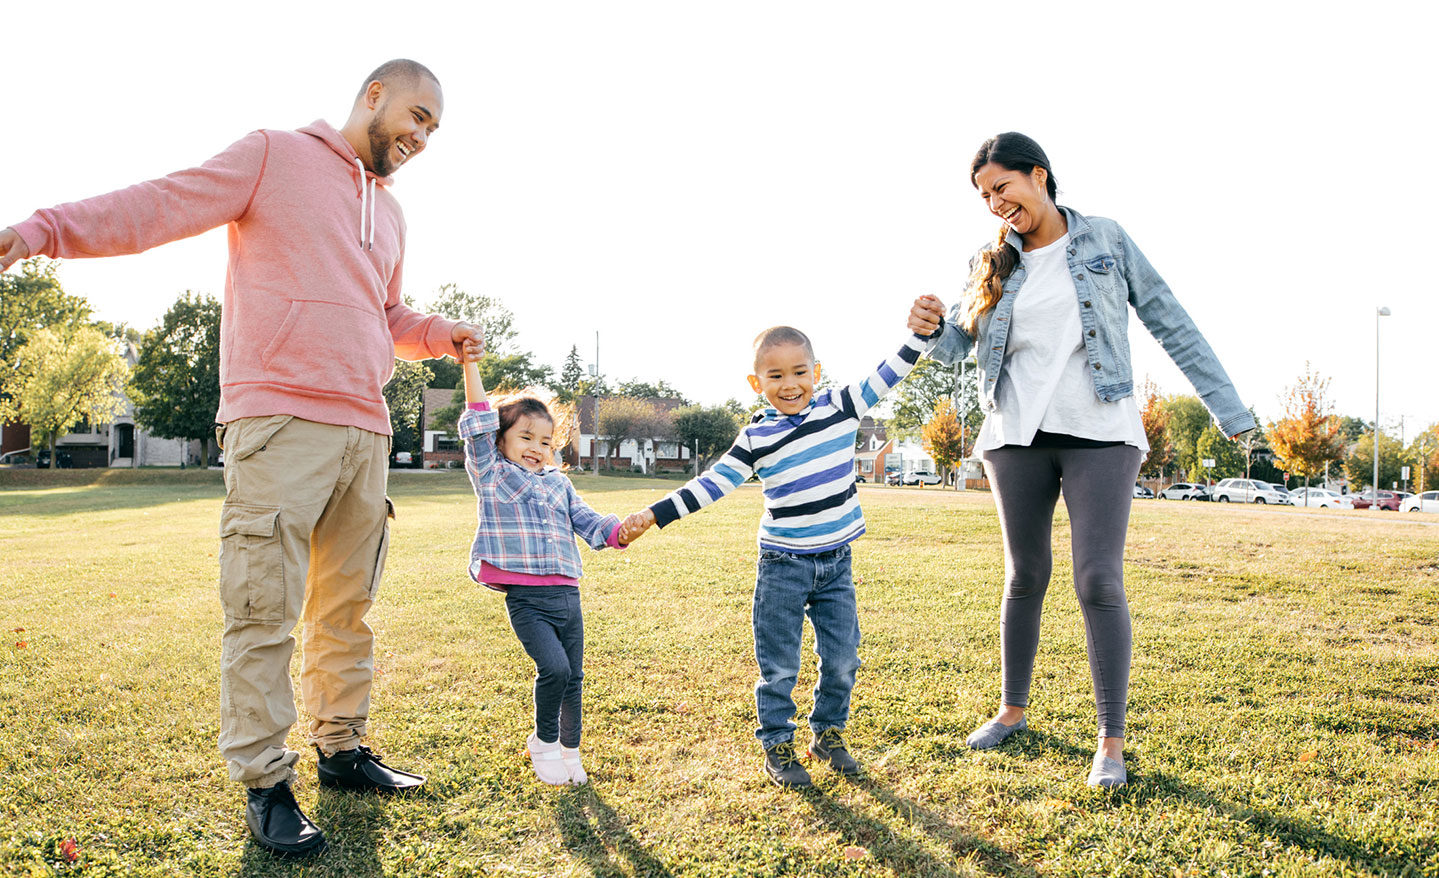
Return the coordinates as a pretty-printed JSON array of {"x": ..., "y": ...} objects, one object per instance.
[{"x": 1058, "y": 391}]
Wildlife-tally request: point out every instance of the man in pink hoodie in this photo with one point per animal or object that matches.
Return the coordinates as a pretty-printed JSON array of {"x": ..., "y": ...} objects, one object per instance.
[{"x": 312, "y": 321}]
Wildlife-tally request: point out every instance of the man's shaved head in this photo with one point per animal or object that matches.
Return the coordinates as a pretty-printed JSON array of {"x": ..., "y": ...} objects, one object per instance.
[{"x": 399, "y": 72}]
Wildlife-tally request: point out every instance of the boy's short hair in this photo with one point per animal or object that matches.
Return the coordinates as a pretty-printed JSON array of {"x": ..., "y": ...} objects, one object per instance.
[{"x": 778, "y": 335}]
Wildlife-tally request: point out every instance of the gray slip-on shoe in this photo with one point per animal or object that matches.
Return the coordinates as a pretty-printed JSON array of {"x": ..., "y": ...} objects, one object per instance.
[
  {"x": 1107, "y": 772},
  {"x": 992, "y": 733}
]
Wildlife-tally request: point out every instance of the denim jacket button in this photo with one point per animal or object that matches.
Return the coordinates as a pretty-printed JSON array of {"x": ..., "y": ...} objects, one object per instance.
[
  {"x": 1086, "y": 303},
  {"x": 1091, "y": 333},
  {"x": 1096, "y": 367},
  {"x": 1079, "y": 275}
]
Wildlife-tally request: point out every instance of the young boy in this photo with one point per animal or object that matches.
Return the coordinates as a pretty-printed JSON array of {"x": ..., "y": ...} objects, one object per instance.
[{"x": 802, "y": 448}]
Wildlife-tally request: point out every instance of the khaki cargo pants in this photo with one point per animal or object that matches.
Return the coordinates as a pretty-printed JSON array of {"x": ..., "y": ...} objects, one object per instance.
[{"x": 303, "y": 534}]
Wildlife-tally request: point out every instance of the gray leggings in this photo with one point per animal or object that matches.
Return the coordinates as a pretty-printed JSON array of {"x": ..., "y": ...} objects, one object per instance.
[{"x": 1098, "y": 486}]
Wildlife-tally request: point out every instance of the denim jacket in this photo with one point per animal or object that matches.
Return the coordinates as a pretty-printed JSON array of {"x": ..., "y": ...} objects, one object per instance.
[
  {"x": 1110, "y": 273},
  {"x": 527, "y": 521}
]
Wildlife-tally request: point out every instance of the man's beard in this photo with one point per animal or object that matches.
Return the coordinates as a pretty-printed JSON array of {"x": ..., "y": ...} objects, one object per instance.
[{"x": 380, "y": 142}]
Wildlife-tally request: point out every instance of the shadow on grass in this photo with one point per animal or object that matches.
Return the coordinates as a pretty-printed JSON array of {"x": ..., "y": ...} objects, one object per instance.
[
  {"x": 899, "y": 854},
  {"x": 1147, "y": 786},
  {"x": 352, "y": 823},
  {"x": 591, "y": 829}
]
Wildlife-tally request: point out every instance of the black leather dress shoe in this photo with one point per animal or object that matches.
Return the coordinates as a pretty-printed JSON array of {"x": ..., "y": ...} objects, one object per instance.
[
  {"x": 278, "y": 824},
  {"x": 361, "y": 769}
]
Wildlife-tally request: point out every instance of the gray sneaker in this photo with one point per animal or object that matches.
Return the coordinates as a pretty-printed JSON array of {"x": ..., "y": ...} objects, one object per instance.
[
  {"x": 829, "y": 747},
  {"x": 782, "y": 766},
  {"x": 992, "y": 733},
  {"x": 1107, "y": 772}
]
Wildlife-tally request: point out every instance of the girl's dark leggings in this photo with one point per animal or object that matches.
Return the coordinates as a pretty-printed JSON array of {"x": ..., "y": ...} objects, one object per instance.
[
  {"x": 547, "y": 620},
  {"x": 1098, "y": 486}
]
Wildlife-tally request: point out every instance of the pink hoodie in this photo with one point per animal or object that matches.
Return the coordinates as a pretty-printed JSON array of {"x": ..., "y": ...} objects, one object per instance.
[{"x": 312, "y": 317}]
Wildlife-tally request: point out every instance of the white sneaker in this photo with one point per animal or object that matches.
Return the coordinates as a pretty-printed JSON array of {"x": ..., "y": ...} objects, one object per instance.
[
  {"x": 548, "y": 761},
  {"x": 571, "y": 757}
]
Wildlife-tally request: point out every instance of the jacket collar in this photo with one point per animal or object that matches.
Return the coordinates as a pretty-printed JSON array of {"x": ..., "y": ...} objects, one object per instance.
[{"x": 1078, "y": 227}]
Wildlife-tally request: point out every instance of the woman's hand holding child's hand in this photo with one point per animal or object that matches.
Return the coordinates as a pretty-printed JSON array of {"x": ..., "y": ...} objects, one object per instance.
[
  {"x": 634, "y": 526},
  {"x": 926, "y": 315}
]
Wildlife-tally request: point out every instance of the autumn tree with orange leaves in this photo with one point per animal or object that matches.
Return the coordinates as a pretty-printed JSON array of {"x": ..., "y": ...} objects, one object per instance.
[
  {"x": 1308, "y": 435},
  {"x": 1156, "y": 417},
  {"x": 941, "y": 437}
]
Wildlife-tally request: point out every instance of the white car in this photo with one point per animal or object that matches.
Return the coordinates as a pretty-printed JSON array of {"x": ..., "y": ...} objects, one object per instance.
[
  {"x": 1425, "y": 502},
  {"x": 1320, "y": 497},
  {"x": 1248, "y": 491},
  {"x": 923, "y": 477},
  {"x": 1185, "y": 491}
]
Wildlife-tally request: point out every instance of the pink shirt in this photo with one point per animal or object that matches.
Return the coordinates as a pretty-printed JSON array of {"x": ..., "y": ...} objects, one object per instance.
[{"x": 313, "y": 317}]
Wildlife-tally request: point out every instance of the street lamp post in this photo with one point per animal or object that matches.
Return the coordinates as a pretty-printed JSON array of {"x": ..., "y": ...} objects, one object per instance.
[{"x": 1381, "y": 311}]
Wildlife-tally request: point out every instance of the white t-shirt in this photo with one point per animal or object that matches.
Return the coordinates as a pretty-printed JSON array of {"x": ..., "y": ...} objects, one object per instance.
[{"x": 1046, "y": 383}]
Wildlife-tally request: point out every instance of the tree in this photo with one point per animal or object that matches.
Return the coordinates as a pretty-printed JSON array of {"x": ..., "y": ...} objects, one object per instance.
[
  {"x": 1156, "y": 418},
  {"x": 1359, "y": 465},
  {"x": 1424, "y": 451},
  {"x": 493, "y": 318},
  {"x": 32, "y": 299},
  {"x": 624, "y": 418},
  {"x": 1351, "y": 428},
  {"x": 572, "y": 374},
  {"x": 405, "y": 397},
  {"x": 942, "y": 438},
  {"x": 501, "y": 375},
  {"x": 708, "y": 431},
  {"x": 1228, "y": 457},
  {"x": 927, "y": 383},
  {"x": 1188, "y": 419},
  {"x": 60, "y": 381},
  {"x": 1308, "y": 436},
  {"x": 651, "y": 390},
  {"x": 176, "y": 383}
]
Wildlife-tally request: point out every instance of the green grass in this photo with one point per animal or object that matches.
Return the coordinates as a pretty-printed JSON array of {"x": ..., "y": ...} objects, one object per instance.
[{"x": 1284, "y": 705}]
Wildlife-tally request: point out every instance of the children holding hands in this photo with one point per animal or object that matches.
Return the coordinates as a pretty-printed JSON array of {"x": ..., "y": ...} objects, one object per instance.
[
  {"x": 529, "y": 515},
  {"x": 802, "y": 449}
]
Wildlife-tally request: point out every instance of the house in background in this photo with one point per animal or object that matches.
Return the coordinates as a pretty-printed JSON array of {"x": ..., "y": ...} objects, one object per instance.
[
  {"x": 439, "y": 445},
  {"x": 656, "y": 455},
  {"x": 118, "y": 443},
  {"x": 871, "y": 447}
]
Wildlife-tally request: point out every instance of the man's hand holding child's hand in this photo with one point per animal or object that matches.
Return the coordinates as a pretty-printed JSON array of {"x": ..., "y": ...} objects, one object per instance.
[{"x": 635, "y": 525}]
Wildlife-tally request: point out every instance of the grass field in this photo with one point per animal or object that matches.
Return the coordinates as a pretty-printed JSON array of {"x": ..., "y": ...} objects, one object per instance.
[{"x": 1283, "y": 718}]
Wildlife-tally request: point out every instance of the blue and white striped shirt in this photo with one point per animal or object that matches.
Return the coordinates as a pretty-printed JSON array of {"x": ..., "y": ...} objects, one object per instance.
[{"x": 805, "y": 461}]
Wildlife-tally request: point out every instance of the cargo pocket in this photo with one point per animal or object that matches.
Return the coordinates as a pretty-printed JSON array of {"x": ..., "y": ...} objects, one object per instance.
[
  {"x": 383, "y": 550},
  {"x": 252, "y": 563}
]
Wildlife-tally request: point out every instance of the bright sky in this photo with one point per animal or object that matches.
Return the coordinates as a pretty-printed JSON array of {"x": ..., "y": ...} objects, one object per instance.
[{"x": 677, "y": 176}]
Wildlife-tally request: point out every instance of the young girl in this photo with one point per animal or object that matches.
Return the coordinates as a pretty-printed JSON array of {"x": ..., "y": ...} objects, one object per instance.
[{"x": 524, "y": 546}]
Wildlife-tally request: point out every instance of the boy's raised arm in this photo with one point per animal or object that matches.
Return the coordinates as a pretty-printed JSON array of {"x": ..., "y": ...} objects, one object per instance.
[
  {"x": 478, "y": 423},
  {"x": 860, "y": 396},
  {"x": 729, "y": 472}
]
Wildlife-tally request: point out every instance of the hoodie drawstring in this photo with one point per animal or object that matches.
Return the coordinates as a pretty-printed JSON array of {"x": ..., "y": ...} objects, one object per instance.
[{"x": 367, "y": 207}]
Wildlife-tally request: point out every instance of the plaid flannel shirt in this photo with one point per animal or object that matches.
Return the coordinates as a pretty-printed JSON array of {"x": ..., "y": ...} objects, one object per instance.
[{"x": 527, "y": 521}]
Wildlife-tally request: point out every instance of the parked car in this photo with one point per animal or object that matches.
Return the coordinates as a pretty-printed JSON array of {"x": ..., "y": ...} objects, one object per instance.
[
  {"x": 1142, "y": 493},
  {"x": 1319, "y": 497},
  {"x": 1425, "y": 502},
  {"x": 1184, "y": 491},
  {"x": 921, "y": 477},
  {"x": 62, "y": 459},
  {"x": 19, "y": 458},
  {"x": 859, "y": 477},
  {"x": 1387, "y": 500},
  {"x": 891, "y": 478},
  {"x": 1248, "y": 491}
]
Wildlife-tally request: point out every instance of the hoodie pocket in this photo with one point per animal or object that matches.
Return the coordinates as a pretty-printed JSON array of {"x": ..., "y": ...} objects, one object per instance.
[{"x": 323, "y": 345}]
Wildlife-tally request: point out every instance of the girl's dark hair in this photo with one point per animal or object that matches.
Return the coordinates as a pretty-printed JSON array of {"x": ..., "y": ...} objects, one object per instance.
[
  {"x": 1013, "y": 152},
  {"x": 515, "y": 409}
]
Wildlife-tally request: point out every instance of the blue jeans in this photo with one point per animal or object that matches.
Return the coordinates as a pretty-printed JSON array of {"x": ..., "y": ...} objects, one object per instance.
[
  {"x": 787, "y": 588},
  {"x": 547, "y": 620}
]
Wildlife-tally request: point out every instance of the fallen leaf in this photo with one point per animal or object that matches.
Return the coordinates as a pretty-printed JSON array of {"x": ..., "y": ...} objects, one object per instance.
[
  {"x": 69, "y": 850},
  {"x": 18, "y": 630},
  {"x": 1308, "y": 755},
  {"x": 855, "y": 852},
  {"x": 1059, "y": 804},
  {"x": 21, "y": 644}
]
